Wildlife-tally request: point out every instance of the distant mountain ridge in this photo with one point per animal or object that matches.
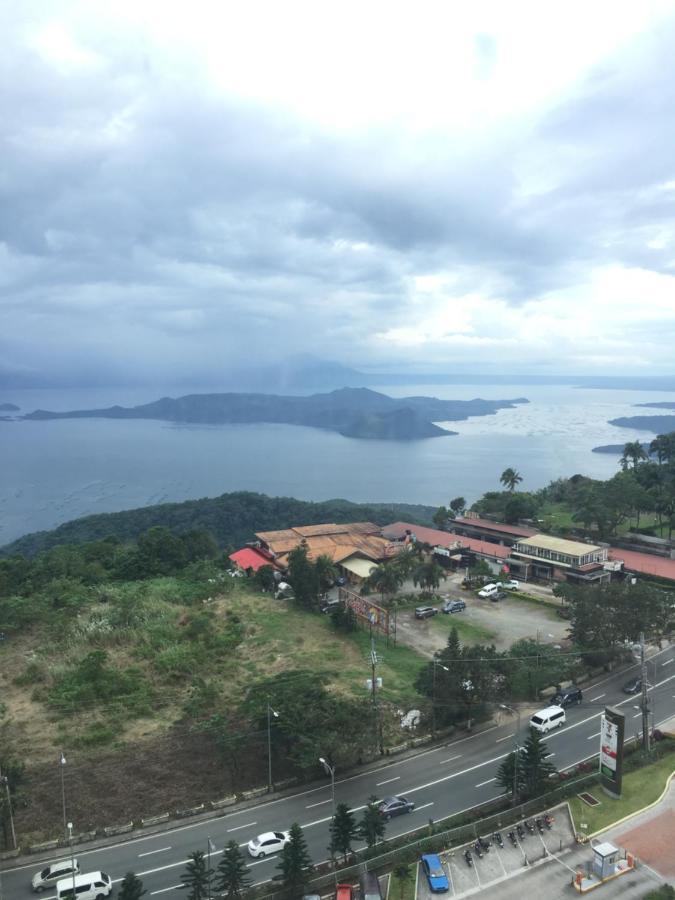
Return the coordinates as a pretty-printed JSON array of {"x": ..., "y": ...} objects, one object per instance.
[
  {"x": 352, "y": 412},
  {"x": 657, "y": 424}
]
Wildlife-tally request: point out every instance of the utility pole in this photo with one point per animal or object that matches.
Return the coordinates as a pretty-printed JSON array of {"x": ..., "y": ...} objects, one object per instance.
[
  {"x": 5, "y": 780},
  {"x": 374, "y": 660},
  {"x": 645, "y": 697}
]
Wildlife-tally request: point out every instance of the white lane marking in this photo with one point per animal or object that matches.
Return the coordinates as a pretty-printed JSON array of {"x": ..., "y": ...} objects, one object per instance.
[
  {"x": 250, "y": 825},
  {"x": 174, "y": 887},
  {"x": 451, "y": 759},
  {"x": 508, "y": 737},
  {"x": 599, "y": 697},
  {"x": 667, "y": 662},
  {"x": 590, "y": 738},
  {"x": 150, "y": 852},
  {"x": 388, "y": 781},
  {"x": 549, "y": 755},
  {"x": 637, "y": 714},
  {"x": 486, "y": 782},
  {"x": 259, "y": 862},
  {"x": 424, "y": 806},
  {"x": 320, "y": 803}
]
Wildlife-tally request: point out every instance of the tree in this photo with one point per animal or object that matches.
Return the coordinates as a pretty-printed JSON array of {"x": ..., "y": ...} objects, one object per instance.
[
  {"x": 663, "y": 447},
  {"x": 428, "y": 576},
  {"x": 232, "y": 875},
  {"x": 458, "y": 505},
  {"x": 372, "y": 826},
  {"x": 386, "y": 578},
  {"x": 196, "y": 876},
  {"x": 326, "y": 572},
  {"x": 342, "y": 831},
  {"x": 534, "y": 769},
  {"x": 294, "y": 862},
  {"x": 440, "y": 517},
  {"x": 131, "y": 888},
  {"x": 303, "y": 576},
  {"x": 633, "y": 452},
  {"x": 510, "y": 478}
]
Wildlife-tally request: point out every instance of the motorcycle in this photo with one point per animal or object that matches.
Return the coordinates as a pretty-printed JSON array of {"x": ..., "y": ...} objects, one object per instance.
[
  {"x": 468, "y": 858},
  {"x": 529, "y": 825},
  {"x": 540, "y": 825},
  {"x": 548, "y": 821},
  {"x": 478, "y": 850},
  {"x": 520, "y": 830},
  {"x": 512, "y": 837},
  {"x": 484, "y": 844},
  {"x": 497, "y": 838}
]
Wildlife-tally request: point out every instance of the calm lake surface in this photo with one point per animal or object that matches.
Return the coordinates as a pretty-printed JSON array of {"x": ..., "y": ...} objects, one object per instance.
[{"x": 54, "y": 471}]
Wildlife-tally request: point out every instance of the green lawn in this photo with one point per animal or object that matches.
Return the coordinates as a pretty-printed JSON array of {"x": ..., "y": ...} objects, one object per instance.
[
  {"x": 402, "y": 889},
  {"x": 640, "y": 788},
  {"x": 469, "y": 632},
  {"x": 399, "y": 667}
]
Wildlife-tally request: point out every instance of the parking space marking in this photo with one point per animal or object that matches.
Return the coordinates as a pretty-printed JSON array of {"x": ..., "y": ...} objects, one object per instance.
[
  {"x": 250, "y": 825},
  {"x": 388, "y": 781},
  {"x": 486, "y": 782}
]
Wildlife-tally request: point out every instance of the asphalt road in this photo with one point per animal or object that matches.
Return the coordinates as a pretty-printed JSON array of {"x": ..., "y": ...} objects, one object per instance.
[{"x": 444, "y": 780}]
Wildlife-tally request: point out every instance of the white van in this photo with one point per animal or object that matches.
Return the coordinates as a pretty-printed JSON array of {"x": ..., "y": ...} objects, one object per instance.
[
  {"x": 90, "y": 886},
  {"x": 548, "y": 719},
  {"x": 489, "y": 591}
]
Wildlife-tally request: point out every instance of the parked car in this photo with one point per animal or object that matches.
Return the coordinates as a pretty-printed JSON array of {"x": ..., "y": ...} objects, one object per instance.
[
  {"x": 453, "y": 606},
  {"x": 269, "y": 842},
  {"x": 47, "y": 877},
  {"x": 568, "y": 697},
  {"x": 395, "y": 806},
  {"x": 433, "y": 869},
  {"x": 499, "y": 595},
  {"x": 488, "y": 591},
  {"x": 342, "y": 892},
  {"x": 341, "y": 581},
  {"x": 511, "y": 585},
  {"x": 327, "y": 606},
  {"x": 634, "y": 686},
  {"x": 425, "y": 612}
]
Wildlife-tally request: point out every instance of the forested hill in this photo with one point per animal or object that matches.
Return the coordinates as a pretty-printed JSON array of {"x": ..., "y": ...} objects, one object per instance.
[
  {"x": 353, "y": 412},
  {"x": 231, "y": 518}
]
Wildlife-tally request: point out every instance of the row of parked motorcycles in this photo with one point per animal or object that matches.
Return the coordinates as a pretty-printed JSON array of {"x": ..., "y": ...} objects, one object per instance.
[{"x": 483, "y": 845}]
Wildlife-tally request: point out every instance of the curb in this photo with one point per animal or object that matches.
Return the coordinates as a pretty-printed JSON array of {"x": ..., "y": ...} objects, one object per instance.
[{"x": 637, "y": 811}]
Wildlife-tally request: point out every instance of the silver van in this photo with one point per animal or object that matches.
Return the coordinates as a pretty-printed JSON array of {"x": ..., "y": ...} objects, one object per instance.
[
  {"x": 53, "y": 873},
  {"x": 548, "y": 719},
  {"x": 90, "y": 886}
]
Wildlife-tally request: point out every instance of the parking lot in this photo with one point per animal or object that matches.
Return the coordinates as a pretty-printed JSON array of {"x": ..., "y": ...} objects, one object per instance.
[{"x": 499, "y": 864}]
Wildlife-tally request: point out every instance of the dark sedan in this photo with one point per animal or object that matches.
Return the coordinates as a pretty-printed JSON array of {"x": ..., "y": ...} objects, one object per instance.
[
  {"x": 568, "y": 697},
  {"x": 395, "y": 806},
  {"x": 634, "y": 686}
]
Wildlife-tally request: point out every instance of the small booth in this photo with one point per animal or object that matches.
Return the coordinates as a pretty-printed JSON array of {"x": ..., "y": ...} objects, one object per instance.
[{"x": 608, "y": 863}]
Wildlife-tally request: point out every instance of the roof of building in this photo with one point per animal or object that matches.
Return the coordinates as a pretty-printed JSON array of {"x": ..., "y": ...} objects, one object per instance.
[
  {"x": 358, "y": 566},
  {"x": 250, "y": 558},
  {"x": 499, "y": 527},
  {"x": 444, "y": 539},
  {"x": 335, "y": 541},
  {"x": 644, "y": 563},
  {"x": 559, "y": 545}
]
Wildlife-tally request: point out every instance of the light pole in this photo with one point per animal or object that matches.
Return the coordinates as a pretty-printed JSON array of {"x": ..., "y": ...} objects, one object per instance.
[
  {"x": 4, "y": 779},
  {"x": 516, "y": 752},
  {"x": 436, "y": 663},
  {"x": 69, "y": 826},
  {"x": 330, "y": 770},
  {"x": 270, "y": 713},
  {"x": 62, "y": 763},
  {"x": 210, "y": 847}
]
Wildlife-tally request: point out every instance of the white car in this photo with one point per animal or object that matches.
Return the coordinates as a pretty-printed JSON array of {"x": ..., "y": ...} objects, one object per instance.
[
  {"x": 269, "y": 842},
  {"x": 47, "y": 877},
  {"x": 488, "y": 591},
  {"x": 511, "y": 585}
]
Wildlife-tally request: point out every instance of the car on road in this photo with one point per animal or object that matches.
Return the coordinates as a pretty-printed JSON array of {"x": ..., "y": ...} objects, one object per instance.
[
  {"x": 395, "y": 806},
  {"x": 511, "y": 585},
  {"x": 433, "y": 869},
  {"x": 634, "y": 686},
  {"x": 425, "y": 612},
  {"x": 47, "y": 877},
  {"x": 269, "y": 842},
  {"x": 567, "y": 697},
  {"x": 90, "y": 886},
  {"x": 453, "y": 606}
]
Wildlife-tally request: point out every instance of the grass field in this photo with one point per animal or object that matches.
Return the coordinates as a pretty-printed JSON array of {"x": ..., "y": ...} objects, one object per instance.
[
  {"x": 640, "y": 788},
  {"x": 469, "y": 632},
  {"x": 402, "y": 888}
]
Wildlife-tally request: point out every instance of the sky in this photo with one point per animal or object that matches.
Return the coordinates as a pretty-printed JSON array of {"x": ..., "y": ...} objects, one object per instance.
[{"x": 429, "y": 187}]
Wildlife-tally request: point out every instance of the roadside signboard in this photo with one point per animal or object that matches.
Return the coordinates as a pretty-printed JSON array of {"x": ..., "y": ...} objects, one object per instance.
[{"x": 612, "y": 726}]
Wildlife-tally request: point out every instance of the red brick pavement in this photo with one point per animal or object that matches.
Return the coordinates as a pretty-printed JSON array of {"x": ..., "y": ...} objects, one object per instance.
[{"x": 653, "y": 842}]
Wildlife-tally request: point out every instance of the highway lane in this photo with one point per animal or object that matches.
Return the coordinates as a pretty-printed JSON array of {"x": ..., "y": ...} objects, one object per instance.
[{"x": 442, "y": 780}]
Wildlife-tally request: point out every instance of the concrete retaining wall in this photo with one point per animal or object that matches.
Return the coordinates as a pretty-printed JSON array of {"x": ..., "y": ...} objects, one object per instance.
[
  {"x": 45, "y": 845},
  {"x": 112, "y": 830},
  {"x": 155, "y": 820}
]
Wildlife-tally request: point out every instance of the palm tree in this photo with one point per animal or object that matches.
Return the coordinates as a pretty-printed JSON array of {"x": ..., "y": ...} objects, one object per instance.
[
  {"x": 428, "y": 576},
  {"x": 633, "y": 452},
  {"x": 510, "y": 478},
  {"x": 386, "y": 578},
  {"x": 326, "y": 572},
  {"x": 662, "y": 447}
]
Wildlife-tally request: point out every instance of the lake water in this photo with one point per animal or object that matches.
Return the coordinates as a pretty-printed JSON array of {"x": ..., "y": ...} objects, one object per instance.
[{"x": 54, "y": 471}]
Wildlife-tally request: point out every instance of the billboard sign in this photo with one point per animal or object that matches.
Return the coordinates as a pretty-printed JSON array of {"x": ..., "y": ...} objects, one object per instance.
[{"x": 612, "y": 726}]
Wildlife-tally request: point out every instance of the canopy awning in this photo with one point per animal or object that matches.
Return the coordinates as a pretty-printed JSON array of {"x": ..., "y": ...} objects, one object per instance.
[{"x": 358, "y": 566}]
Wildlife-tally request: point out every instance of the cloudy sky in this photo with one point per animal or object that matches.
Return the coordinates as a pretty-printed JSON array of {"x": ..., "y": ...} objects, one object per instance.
[{"x": 433, "y": 186}]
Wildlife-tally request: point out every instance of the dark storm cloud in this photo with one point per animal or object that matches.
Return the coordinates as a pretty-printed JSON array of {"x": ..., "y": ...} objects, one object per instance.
[{"x": 149, "y": 222}]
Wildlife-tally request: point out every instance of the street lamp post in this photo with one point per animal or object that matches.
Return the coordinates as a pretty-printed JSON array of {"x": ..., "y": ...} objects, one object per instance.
[
  {"x": 516, "y": 752},
  {"x": 270, "y": 712},
  {"x": 4, "y": 779},
  {"x": 62, "y": 763},
  {"x": 436, "y": 663},
  {"x": 69, "y": 826},
  {"x": 330, "y": 770}
]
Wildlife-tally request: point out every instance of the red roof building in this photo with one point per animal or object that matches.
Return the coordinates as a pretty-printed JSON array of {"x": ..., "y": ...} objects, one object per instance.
[
  {"x": 250, "y": 558},
  {"x": 643, "y": 563}
]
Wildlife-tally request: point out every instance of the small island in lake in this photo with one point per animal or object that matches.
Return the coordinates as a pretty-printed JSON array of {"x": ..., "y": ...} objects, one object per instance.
[
  {"x": 9, "y": 407},
  {"x": 352, "y": 412}
]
